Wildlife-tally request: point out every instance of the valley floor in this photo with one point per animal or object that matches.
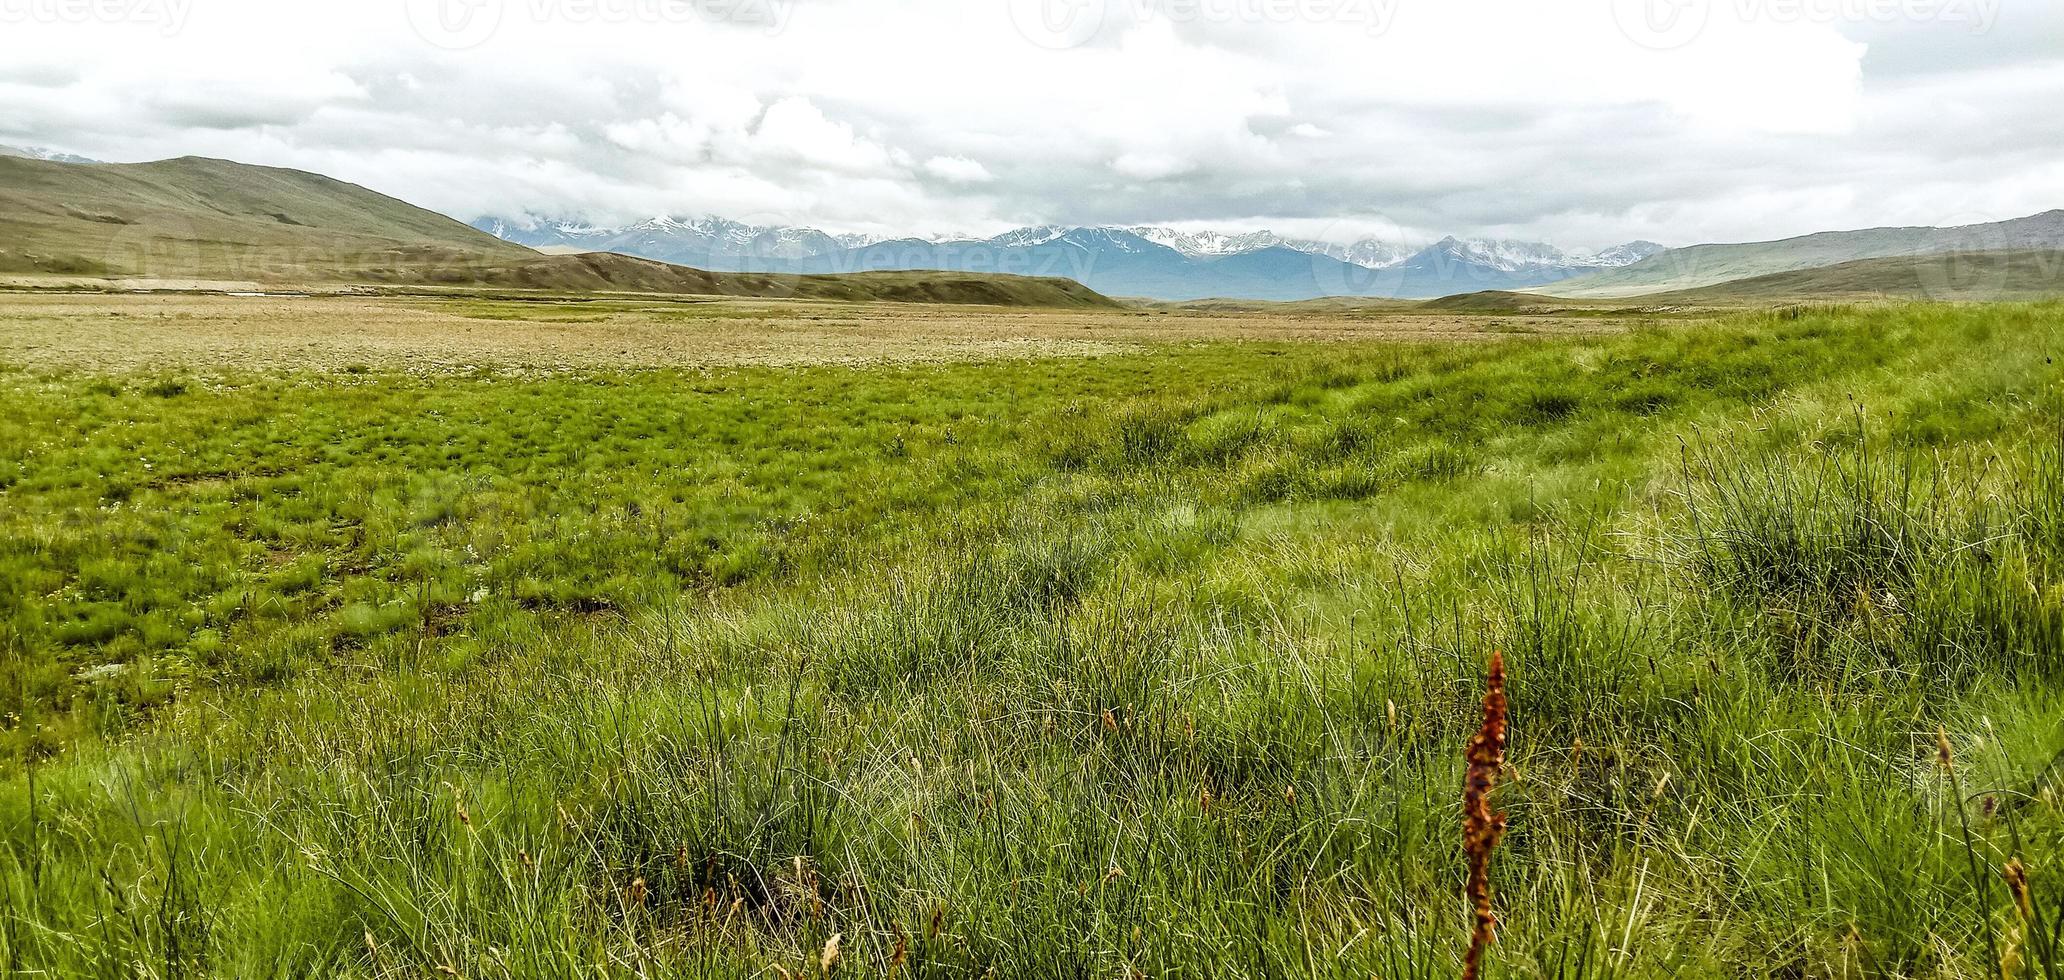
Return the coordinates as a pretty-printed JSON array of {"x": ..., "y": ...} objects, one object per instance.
[
  {"x": 512, "y": 330},
  {"x": 412, "y": 637}
]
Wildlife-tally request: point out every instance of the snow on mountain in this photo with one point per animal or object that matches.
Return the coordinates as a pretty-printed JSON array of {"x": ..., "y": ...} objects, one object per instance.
[
  {"x": 705, "y": 242},
  {"x": 1620, "y": 256},
  {"x": 720, "y": 238},
  {"x": 1502, "y": 255},
  {"x": 1144, "y": 260},
  {"x": 1027, "y": 237},
  {"x": 1110, "y": 240},
  {"x": 43, "y": 153},
  {"x": 575, "y": 229},
  {"x": 1198, "y": 244},
  {"x": 1370, "y": 253},
  {"x": 1515, "y": 256},
  {"x": 522, "y": 231}
]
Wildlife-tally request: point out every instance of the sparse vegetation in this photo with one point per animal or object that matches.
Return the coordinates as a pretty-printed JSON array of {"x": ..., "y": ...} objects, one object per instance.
[{"x": 1161, "y": 663}]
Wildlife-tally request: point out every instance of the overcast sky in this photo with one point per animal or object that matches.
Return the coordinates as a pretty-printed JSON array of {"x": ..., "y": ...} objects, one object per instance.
[{"x": 1582, "y": 122}]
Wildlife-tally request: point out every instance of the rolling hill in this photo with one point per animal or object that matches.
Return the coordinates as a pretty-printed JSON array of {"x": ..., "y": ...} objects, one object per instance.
[
  {"x": 1954, "y": 277},
  {"x": 213, "y": 219},
  {"x": 1949, "y": 277},
  {"x": 1500, "y": 301},
  {"x": 200, "y": 221},
  {"x": 1707, "y": 265}
]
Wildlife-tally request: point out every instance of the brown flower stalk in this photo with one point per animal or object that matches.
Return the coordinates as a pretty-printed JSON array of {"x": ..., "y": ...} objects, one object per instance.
[
  {"x": 2017, "y": 885},
  {"x": 1482, "y": 828}
]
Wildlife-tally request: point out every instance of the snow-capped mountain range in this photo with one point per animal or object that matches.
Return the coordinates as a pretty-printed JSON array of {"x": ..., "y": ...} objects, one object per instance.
[
  {"x": 43, "y": 153},
  {"x": 1158, "y": 263},
  {"x": 662, "y": 237}
]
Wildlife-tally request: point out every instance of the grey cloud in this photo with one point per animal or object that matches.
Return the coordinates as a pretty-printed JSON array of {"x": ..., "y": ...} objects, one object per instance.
[
  {"x": 39, "y": 74},
  {"x": 1967, "y": 35}
]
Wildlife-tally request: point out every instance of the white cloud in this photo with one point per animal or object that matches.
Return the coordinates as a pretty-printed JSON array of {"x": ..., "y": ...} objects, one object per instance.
[
  {"x": 1151, "y": 166},
  {"x": 1575, "y": 120},
  {"x": 797, "y": 130},
  {"x": 958, "y": 170}
]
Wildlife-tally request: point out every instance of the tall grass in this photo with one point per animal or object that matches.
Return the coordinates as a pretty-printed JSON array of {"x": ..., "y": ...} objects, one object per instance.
[
  {"x": 1130, "y": 706},
  {"x": 1868, "y": 558}
]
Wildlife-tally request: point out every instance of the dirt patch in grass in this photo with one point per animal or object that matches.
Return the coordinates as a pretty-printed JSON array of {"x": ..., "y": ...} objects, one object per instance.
[{"x": 136, "y": 332}]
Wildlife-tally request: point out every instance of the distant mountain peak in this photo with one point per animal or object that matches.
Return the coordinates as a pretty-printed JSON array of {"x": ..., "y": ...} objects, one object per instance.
[
  {"x": 44, "y": 153},
  {"x": 1144, "y": 260},
  {"x": 1620, "y": 256},
  {"x": 1197, "y": 244},
  {"x": 703, "y": 241},
  {"x": 1028, "y": 236},
  {"x": 1503, "y": 254}
]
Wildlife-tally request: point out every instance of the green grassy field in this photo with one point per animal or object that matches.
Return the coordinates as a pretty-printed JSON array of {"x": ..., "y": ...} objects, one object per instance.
[{"x": 1156, "y": 664}]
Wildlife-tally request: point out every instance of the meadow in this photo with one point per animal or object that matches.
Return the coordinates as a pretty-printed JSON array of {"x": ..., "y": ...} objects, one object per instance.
[{"x": 1154, "y": 656}]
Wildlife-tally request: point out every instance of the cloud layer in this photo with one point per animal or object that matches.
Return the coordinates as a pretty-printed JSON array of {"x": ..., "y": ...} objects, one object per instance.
[{"x": 1586, "y": 122}]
